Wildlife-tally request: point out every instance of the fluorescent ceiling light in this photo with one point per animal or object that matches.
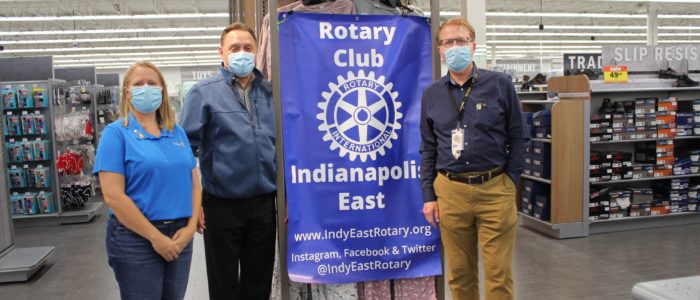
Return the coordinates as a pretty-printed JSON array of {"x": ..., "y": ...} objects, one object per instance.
[
  {"x": 586, "y": 15},
  {"x": 679, "y": 34},
  {"x": 444, "y": 13},
  {"x": 99, "y": 31},
  {"x": 679, "y": 16},
  {"x": 132, "y": 59},
  {"x": 162, "y": 65},
  {"x": 680, "y": 27},
  {"x": 564, "y": 15},
  {"x": 544, "y": 51},
  {"x": 111, "y": 54},
  {"x": 129, "y": 39},
  {"x": 566, "y": 42},
  {"x": 562, "y": 34},
  {"x": 679, "y": 41},
  {"x": 546, "y": 27},
  {"x": 659, "y": 1},
  {"x": 113, "y": 17},
  {"x": 549, "y": 47},
  {"x": 121, "y": 63},
  {"x": 78, "y": 49}
]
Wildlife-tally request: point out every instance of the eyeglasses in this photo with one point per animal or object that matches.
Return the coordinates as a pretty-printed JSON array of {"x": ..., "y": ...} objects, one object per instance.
[{"x": 462, "y": 41}]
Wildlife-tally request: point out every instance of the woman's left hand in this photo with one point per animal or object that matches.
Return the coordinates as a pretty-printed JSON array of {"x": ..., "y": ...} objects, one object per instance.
[{"x": 184, "y": 236}]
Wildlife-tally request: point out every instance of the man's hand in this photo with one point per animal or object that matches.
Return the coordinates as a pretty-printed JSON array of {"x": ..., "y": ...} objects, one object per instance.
[
  {"x": 200, "y": 222},
  {"x": 432, "y": 213}
]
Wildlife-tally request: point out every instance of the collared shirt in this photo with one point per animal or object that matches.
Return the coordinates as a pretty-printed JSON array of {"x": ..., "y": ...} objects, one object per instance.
[
  {"x": 157, "y": 170},
  {"x": 243, "y": 92},
  {"x": 237, "y": 147},
  {"x": 494, "y": 132}
]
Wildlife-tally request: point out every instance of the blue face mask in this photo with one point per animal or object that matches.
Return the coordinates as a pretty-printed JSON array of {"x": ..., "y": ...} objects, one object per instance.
[
  {"x": 146, "y": 99},
  {"x": 241, "y": 63},
  {"x": 458, "y": 58}
]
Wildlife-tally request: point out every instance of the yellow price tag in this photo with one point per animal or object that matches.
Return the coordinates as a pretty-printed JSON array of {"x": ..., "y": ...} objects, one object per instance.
[{"x": 615, "y": 74}]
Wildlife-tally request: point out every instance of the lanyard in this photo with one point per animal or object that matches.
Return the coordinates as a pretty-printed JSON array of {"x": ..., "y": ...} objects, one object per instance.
[{"x": 464, "y": 100}]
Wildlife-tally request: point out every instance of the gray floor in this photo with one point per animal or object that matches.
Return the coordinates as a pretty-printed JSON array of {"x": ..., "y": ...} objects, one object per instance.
[{"x": 602, "y": 266}]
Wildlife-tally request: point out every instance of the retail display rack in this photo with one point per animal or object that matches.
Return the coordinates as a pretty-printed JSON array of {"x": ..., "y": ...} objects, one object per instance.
[
  {"x": 571, "y": 188},
  {"x": 49, "y": 145}
]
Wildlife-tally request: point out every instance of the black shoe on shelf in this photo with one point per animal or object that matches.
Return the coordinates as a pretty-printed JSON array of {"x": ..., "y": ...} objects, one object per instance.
[
  {"x": 539, "y": 79},
  {"x": 670, "y": 73},
  {"x": 591, "y": 74},
  {"x": 526, "y": 86},
  {"x": 607, "y": 107},
  {"x": 619, "y": 108},
  {"x": 685, "y": 81}
]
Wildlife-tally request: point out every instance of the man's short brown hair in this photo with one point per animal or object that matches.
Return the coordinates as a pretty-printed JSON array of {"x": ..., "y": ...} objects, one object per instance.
[
  {"x": 237, "y": 26},
  {"x": 458, "y": 22}
]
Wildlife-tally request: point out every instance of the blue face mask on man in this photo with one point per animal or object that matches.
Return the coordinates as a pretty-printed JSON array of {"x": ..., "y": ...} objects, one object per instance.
[
  {"x": 458, "y": 58},
  {"x": 241, "y": 63},
  {"x": 146, "y": 99}
]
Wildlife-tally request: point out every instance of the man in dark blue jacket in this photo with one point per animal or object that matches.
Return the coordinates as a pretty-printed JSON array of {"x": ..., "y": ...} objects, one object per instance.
[{"x": 230, "y": 117}]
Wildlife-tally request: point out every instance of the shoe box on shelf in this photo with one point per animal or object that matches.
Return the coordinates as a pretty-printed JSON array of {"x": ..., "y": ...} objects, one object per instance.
[
  {"x": 601, "y": 127},
  {"x": 685, "y": 123},
  {"x": 670, "y": 196},
  {"x": 696, "y": 117},
  {"x": 620, "y": 201},
  {"x": 535, "y": 199},
  {"x": 694, "y": 198},
  {"x": 694, "y": 156},
  {"x": 607, "y": 166},
  {"x": 666, "y": 117},
  {"x": 541, "y": 157},
  {"x": 599, "y": 204},
  {"x": 660, "y": 153},
  {"x": 641, "y": 199},
  {"x": 527, "y": 168},
  {"x": 530, "y": 133},
  {"x": 542, "y": 121}
]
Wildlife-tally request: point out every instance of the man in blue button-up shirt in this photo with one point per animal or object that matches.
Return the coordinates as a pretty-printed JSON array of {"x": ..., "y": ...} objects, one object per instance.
[
  {"x": 230, "y": 117},
  {"x": 473, "y": 142}
]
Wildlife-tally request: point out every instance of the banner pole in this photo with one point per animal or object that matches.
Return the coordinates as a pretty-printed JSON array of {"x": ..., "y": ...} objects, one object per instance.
[{"x": 281, "y": 192}]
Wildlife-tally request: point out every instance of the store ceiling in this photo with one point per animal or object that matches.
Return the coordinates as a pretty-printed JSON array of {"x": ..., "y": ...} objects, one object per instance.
[{"x": 186, "y": 32}]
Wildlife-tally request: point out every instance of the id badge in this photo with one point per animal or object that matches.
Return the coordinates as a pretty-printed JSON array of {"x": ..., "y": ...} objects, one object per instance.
[{"x": 457, "y": 142}]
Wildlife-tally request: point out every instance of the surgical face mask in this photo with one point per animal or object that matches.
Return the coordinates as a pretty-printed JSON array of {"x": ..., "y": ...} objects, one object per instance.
[
  {"x": 458, "y": 58},
  {"x": 241, "y": 63},
  {"x": 146, "y": 99}
]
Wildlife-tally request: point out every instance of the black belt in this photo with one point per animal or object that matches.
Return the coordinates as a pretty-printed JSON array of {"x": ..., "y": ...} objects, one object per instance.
[
  {"x": 476, "y": 179},
  {"x": 159, "y": 222}
]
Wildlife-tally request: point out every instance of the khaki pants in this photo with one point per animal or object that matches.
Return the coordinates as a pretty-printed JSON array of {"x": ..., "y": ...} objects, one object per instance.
[{"x": 484, "y": 213}]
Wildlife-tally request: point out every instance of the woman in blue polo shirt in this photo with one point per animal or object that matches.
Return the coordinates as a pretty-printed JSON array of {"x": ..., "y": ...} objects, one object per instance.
[{"x": 149, "y": 180}]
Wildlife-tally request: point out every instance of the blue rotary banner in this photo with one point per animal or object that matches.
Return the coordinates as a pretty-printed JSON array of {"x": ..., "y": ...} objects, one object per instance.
[{"x": 351, "y": 89}]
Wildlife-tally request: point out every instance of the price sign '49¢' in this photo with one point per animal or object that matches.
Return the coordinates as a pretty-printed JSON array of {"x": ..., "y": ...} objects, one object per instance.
[{"x": 615, "y": 74}]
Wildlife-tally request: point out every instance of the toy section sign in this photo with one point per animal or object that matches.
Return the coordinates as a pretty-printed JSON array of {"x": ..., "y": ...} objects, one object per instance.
[{"x": 351, "y": 91}]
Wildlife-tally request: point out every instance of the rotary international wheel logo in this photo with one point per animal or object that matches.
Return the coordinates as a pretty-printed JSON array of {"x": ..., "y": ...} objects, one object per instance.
[{"x": 360, "y": 115}]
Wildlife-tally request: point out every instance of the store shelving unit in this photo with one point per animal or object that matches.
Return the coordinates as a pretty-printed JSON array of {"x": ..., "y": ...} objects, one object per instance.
[
  {"x": 16, "y": 264},
  {"x": 58, "y": 216},
  {"x": 89, "y": 211},
  {"x": 48, "y": 112},
  {"x": 568, "y": 161},
  {"x": 571, "y": 147}
]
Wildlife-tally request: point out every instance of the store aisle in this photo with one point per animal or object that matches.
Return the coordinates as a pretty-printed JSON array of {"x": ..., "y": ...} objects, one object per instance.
[{"x": 598, "y": 267}]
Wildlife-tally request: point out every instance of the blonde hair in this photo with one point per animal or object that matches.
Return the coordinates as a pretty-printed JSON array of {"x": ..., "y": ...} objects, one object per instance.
[
  {"x": 165, "y": 114},
  {"x": 458, "y": 22}
]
